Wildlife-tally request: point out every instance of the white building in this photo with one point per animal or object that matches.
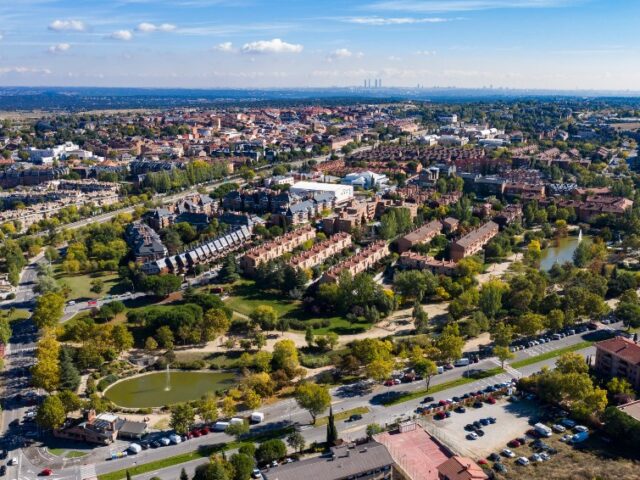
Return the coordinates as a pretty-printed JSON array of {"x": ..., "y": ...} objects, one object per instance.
[
  {"x": 64, "y": 151},
  {"x": 365, "y": 180},
  {"x": 341, "y": 193}
]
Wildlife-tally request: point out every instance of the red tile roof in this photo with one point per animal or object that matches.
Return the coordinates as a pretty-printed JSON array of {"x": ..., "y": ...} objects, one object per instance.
[
  {"x": 461, "y": 468},
  {"x": 622, "y": 348}
]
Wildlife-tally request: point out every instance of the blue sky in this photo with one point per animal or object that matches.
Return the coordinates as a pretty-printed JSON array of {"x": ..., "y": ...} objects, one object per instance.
[{"x": 563, "y": 44}]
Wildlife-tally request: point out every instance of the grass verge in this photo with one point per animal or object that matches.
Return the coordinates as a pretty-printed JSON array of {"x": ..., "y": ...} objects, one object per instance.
[
  {"x": 343, "y": 415},
  {"x": 440, "y": 387},
  {"x": 552, "y": 354}
]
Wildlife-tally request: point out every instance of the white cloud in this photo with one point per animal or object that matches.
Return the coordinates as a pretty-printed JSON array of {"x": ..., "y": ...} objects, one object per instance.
[
  {"x": 147, "y": 27},
  {"x": 67, "y": 25},
  {"x": 224, "y": 47},
  {"x": 59, "y": 48},
  {"x": 340, "y": 54},
  {"x": 124, "y": 35},
  {"x": 381, "y": 21},
  {"x": 426, "y": 53},
  {"x": 5, "y": 70},
  {"x": 439, "y": 6},
  {"x": 271, "y": 46}
]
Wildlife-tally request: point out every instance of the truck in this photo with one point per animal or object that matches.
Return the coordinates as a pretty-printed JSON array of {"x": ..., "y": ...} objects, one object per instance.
[
  {"x": 257, "y": 417},
  {"x": 462, "y": 362},
  {"x": 220, "y": 426},
  {"x": 542, "y": 430},
  {"x": 134, "y": 448}
]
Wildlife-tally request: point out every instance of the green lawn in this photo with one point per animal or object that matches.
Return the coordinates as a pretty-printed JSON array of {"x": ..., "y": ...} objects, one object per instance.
[
  {"x": 80, "y": 284},
  {"x": 75, "y": 454},
  {"x": 17, "y": 314},
  {"x": 552, "y": 354},
  {"x": 245, "y": 297},
  {"x": 394, "y": 400},
  {"x": 343, "y": 415}
]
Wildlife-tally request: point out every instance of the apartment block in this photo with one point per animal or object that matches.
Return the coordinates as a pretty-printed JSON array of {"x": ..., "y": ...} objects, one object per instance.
[
  {"x": 415, "y": 261},
  {"x": 619, "y": 357},
  {"x": 361, "y": 261},
  {"x": 424, "y": 234},
  {"x": 275, "y": 248},
  {"x": 474, "y": 241},
  {"x": 321, "y": 252}
]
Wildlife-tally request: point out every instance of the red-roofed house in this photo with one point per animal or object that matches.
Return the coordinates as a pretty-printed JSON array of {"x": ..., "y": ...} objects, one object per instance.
[
  {"x": 461, "y": 468},
  {"x": 619, "y": 357}
]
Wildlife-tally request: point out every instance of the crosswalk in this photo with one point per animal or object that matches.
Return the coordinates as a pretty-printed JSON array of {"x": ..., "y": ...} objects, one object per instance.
[
  {"x": 513, "y": 373},
  {"x": 88, "y": 472}
]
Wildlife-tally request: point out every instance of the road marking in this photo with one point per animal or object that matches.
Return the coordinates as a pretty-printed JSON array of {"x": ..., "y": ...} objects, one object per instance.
[{"x": 88, "y": 472}]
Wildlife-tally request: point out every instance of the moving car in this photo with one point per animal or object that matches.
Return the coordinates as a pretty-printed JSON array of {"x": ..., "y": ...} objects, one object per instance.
[
  {"x": 46, "y": 472},
  {"x": 355, "y": 417}
]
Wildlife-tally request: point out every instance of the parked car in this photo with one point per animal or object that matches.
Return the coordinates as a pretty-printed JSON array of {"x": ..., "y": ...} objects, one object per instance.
[
  {"x": 460, "y": 409},
  {"x": 427, "y": 400},
  {"x": 545, "y": 456},
  {"x": 256, "y": 473},
  {"x": 491, "y": 401},
  {"x": 508, "y": 453},
  {"x": 524, "y": 461},
  {"x": 469, "y": 427},
  {"x": 580, "y": 428},
  {"x": 558, "y": 428},
  {"x": 477, "y": 405},
  {"x": 46, "y": 472},
  {"x": 494, "y": 457},
  {"x": 567, "y": 422},
  {"x": 499, "y": 467},
  {"x": 164, "y": 441},
  {"x": 472, "y": 436},
  {"x": 13, "y": 461},
  {"x": 514, "y": 443},
  {"x": 535, "y": 458},
  {"x": 3, "y": 471}
]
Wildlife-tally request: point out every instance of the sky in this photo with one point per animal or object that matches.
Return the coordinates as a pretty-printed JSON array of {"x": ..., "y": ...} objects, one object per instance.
[{"x": 540, "y": 44}]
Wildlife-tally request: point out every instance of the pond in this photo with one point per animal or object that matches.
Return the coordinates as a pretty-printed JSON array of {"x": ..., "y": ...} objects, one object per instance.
[
  {"x": 559, "y": 251},
  {"x": 165, "y": 388}
]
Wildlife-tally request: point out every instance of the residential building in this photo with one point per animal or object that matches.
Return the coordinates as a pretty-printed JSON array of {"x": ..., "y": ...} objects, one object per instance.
[
  {"x": 322, "y": 251},
  {"x": 415, "y": 261},
  {"x": 508, "y": 215},
  {"x": 474, "y": 241},
  {"x": 424, "y": 234},
  {"x": 366, "y": 180},
  {"x": 619, "y": 357},
  {"x": 102, "y": 429},
  {"x": 275, "y": 248},
  {"x": 351, "y": 216},
  {"x": 361, "y": 261},
  {"x": 461, "y": 468},
  {"x": 145, "y": 242},
  {"x": 369, "y": 461}
]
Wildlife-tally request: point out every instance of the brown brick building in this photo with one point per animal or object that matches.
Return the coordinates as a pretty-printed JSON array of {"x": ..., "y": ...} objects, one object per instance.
[{"x": 619, "y": 357}]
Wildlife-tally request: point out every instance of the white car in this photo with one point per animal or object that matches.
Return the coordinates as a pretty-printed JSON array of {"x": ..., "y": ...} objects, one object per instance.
[
  {"x": 558, "y": 428},
  {"x": 545, "y": 456},
  {"x": 566, "y": 437},
  {"x": 472, "y": 436},
  {"x": 535, "y": 458},
  {"x": 13, "y": 461},
  {"x": 508, "y": 453},
  {"x": 522, "y": 461},
  {"x": 580, "y": 428}
]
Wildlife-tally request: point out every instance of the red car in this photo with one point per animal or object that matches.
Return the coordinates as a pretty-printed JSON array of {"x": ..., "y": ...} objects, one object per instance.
[
  {"x": 389, "y": 383},
  {"x": 443, "y": 402},
  {"x": 482, "y": 461},
  {"x": 513, "y": 444},
  {"x": 491, "y": 400},
  {"x": 440, "y": 416},
  {"x": 46, "y": 472},
  {"x": 204, "y": 431},
  {"x": 195, "y": 433}
]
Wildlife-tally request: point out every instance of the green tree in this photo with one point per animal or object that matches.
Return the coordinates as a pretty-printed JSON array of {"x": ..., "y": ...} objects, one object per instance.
[
  {"x": 237, "y": 430},
  {"x": 150, "y": 344},
  {"x": 265, "y": 317},
  {"x": 503, "y": 354},
  {"x": 70, "y": 400},
  {"x": 426, "y": 369},
  {"x": 216, "y": 469},
  {"x": 296, "y": 441},
  {"x": 51, "y": 414},
  {"x": 490, "y": 301},
  {"x": 207, "y": 408},
  {"x": 271, "y": 450},
  {"x": 183, "y": 474},
  {"x": 182, "y": 418},
  {"x": 450, "y": 343},
  {"x": 285, "y": 358},
  {"x": 332, "y": 431},
  {"x": 243, "y": 465},
  {"x": 373, "y": 429},
  {"x": 165, "y": 338},
  {"x": 313, "y": 398}
]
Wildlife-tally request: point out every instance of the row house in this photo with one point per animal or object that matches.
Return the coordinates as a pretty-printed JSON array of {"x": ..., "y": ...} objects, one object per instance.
[
  {"x": 424, "y": 234},
  {"x": 204, "y": 253},
  {"x": 275, "y": 248},
  {"x": 350, "y": 217},
  {"x": 415, "y": 261},
  {"x": 597, "y": 205},
  {"x": 474, "y": 241},
  {"x": 321, "y": 252},
  {"x": 360, "y": 262}
]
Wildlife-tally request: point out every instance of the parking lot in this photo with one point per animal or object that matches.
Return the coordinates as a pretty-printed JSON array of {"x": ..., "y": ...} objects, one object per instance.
[{"x": 512, "y": 420}]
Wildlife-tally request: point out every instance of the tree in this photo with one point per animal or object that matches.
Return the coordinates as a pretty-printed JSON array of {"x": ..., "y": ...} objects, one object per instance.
[
  {"x": 450, "y": 343},
  {"x": 308, "y": 337},
  {"x": 332, "y": 432},
  {"x": 503, "y": 354},
  {"x": 216, "y": 469},
  {"x": 207, "y": 408},
  {"x": 629, "y": 314},
  {"x": 182, "y": 418},
  {"x": 373, "y": 429},
  {"x": 183, "y": 474},
  {"x": 265, "y": 317},
  {"x": 571, "y": 362},
  {"x": 271, "y": 450},
  {"x": 70, "y": 400},
  {"x": 237, "y": 429},
  {"x": 490, "y": 301},
  {"x": 46, "y": 372},
  {"x": 165, "y": 337},
  {"x": 296, "y": 441},
  {"x": 214, "y": 323},
  {"x": 379, "y": 369},
  {"x": 49, "y": 310},
  {"x": 243, "y": 466},
  {"x": 162, "y": 285},
  {"x": 150, "y": 344},
  {"x": 502, "y": 334},
  {"x": 5, "y": 330},
  {"x": 426, "y": 369},
  {"x": 69, "y": 374},
  {"x": 228, "y": 406},
  {"x": 251, "y": 399},
  {"x": 313, "y": 398},
  {"x": 51, "y": 414},
  {"x": 285, "y": 358},
  {"x": 121, "y": 338},
  {"x": 421, "y": 318}
]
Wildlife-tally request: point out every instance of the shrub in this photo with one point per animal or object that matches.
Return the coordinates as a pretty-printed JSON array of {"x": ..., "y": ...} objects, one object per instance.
[{"x": 106, "y": 381}]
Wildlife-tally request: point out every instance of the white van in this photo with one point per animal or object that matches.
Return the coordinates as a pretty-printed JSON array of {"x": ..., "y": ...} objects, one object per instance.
[
  {"x": 441, "y": 369},
  {"x": 462, "y": 362},
  {"x": 134, "y": 448},
  {"x": 257, "y": 417},
  {"x": 175, "y": 439},
  {"x": 220, "y": 426},
  {"x": 236, "y": 421}
]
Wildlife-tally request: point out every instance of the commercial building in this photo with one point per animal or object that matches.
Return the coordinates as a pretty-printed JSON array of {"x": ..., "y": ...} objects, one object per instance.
[
  {"x": 424, "y": 234},
  {"x": 340, "y": 193},
  {"x": 369, "y": 461},
  {"x": 474, "y": 241},
  {"x": 275, "y": 248},
  {"x": 366, "y": 180},
  {"x": 321, "y": 252},
  {"x": 361, "y": 261},
  {"x": 619, "y": 357},
  {"x": 101, "y": 429}
]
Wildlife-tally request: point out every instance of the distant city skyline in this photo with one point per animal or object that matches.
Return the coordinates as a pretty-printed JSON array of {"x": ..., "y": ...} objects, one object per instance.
[{"x": 520, "y": 44}]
